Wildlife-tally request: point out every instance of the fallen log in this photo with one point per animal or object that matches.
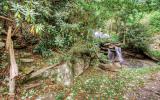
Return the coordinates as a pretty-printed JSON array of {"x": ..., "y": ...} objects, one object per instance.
[
  {"x": 8, "y": 41},
  {"x": 134, "y": 55},
  {"x": 151, "y": 57},
  {"x": 5, "y": 18},
  {"x": 40, "y": 71},
  {"x": 13, "y": 67},
  {"x": 111, "y": 45},
  {"x": 32, "y": 86}
]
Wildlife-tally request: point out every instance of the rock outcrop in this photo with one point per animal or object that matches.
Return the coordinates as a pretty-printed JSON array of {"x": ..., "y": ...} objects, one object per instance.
[{"x": 64, "y": 74}]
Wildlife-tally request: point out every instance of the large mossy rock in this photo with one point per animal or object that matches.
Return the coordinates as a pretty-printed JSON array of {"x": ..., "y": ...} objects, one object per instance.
[
  {"x": 67, "y": 71},
  {"x": 64, "y": 74},
  {"x": 61, "y": 74},
  {"x": 80, "y": 65}
]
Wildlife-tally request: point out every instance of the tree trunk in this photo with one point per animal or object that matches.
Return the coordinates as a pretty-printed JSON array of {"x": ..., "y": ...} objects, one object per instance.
[
  {"x": 13, "y": 66},
  {"x": 8, "y": 41}
]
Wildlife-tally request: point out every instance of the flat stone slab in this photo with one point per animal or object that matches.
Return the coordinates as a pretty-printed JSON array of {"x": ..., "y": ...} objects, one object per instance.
[
  {"x": 25, "y": 54},
  {"x": 26, "y": 60}
]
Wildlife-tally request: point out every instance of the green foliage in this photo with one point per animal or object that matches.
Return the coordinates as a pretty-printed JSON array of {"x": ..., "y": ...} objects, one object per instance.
[
  {"x": 155, "y": 54},
  {"x": 30, "y": 10},
  {"x": 41, "y": 48},
  {"x": 23, "y": 11},
  {"x": 59, "y": 96},
  {"x": 152, "y": 5},
  {"x": 114, "y": 38},
  {"x": 154, "y": 23},
  {"x": 158, "y": 63},
  {"x": 28, "y": 94},
  {"x": 4, "y": 7},
  {"x": 103, "y": 58},
  {"x": 61, "y": 24},
  {"x": 137, "y": 37}
]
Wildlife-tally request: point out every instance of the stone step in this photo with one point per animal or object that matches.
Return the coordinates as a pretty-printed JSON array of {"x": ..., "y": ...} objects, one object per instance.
[{"x": 27, "y": 60}]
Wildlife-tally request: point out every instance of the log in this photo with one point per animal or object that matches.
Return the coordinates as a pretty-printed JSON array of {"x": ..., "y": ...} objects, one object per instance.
[
  {"x": 9, "y": 47},
  {"x": 40, "y": 71},
  {"x": 5, "y": 18},
  {"x": 32, "y": 86},
  {"x": 112, "y": 44},
  {"x": 15, "y": 30},
  {"x": 13, "y": 66},
  {"x": 8, "y": 41},
  {"x": 134, "y": 55},
  {"x": 11, "y": 87},
  {"x": 153, "y": 58}
]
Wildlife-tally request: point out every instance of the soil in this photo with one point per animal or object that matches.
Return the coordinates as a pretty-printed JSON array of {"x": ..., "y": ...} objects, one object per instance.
[
  {"x": 137, "y": 63},
  {"x": 150, "y": 90}
]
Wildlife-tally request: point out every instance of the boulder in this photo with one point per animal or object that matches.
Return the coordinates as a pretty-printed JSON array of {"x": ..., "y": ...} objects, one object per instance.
[
  {"x": 60, "y": 73},
  {"x": 117, "y": 65},
  {"x": 27, "y": 70},
  {"x": 64, "y": 74},
  {"x": 80, "y": 65},
  {"x": 111, "y": 66}
]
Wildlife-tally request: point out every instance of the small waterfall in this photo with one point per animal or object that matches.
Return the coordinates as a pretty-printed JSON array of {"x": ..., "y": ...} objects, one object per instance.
[
  {"x": 111, "y": 55},
  {"x": 118, "y": 53}
]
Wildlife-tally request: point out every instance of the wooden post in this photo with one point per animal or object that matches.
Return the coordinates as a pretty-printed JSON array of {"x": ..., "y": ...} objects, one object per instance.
[
  {"x": 13, "y": 66},
  {"x": 11, "y": 89},
  {"x": 13, "y": 72},
  {"x": 8, "y": 41}
]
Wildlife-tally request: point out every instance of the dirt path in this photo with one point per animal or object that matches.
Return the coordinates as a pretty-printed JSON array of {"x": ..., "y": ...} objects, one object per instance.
[{"x": 150, "y": 90}]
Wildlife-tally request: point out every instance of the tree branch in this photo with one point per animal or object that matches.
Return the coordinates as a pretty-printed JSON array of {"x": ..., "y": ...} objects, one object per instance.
[{"x": 3, "y": 17}]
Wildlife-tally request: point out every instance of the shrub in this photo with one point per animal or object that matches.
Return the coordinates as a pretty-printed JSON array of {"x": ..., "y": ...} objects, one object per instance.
[
  {"x": 42, "y": 49},
  {"x": 137, "y": 37},
  {"x": 155, "y": 53},
  {"x": 154, "y": 25}
]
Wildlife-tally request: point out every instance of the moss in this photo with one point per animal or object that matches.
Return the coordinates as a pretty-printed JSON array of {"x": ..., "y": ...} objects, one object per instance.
[{"x": 155, "y": 54}]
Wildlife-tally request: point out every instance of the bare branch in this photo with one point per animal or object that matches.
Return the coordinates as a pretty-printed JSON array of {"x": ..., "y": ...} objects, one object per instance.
[{"x": 3, "y": 17}]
